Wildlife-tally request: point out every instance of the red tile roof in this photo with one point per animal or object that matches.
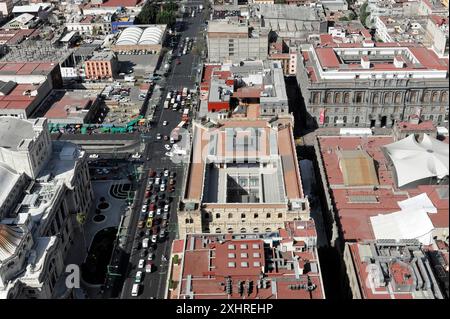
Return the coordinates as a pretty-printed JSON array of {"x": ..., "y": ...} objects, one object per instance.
[
  {"x": 327, "y": 58},
  {"x": 355, "y": 217}
]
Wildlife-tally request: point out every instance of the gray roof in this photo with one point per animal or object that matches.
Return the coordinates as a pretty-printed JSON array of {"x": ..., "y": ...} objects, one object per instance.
[
  {"x": 13, "y": 131},
  {"x": 7, "y": 87}
]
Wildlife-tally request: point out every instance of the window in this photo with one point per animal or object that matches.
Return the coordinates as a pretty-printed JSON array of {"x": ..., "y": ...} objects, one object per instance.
[
  {"x": 435, "y": 97},
  {"x": 359, "y": 97},
  {"x": 243, "y": 246},
  {"x": 231, "y": 255},
  {"x": 217, "y": 215},
  {"x": 255, "y": 215},
  {"x": 346, "y": 97},
  {"x": 256, "y": 264},
  {"x": 231, "y": 264},
  {"x": 242, "y": 215},
  {"x": 230, "y": 215},
  {"x": 268, "y": 230},
  {"x": 243, "y": 230},
  {"x": 218, "y": 230},
  {"x": 256, "y": 230},
  {"x": 244, "y": 264},
  {"x": 280, "y": 215},
  {"x": 268, "y": 215},
  {"x": 256, "y": 255},
  {"x": 230, "y": 246},
  {"x": 337, "y": 98},
  {"x": 336, "y": 110},
  {"x": 244, "y": 255}
]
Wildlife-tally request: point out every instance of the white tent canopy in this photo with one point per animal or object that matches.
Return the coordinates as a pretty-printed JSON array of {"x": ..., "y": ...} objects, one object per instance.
[
  {"x": 404, "y": 224},
  {"x": 414, "y": 161},
  {"x": 421, "y": 201}
]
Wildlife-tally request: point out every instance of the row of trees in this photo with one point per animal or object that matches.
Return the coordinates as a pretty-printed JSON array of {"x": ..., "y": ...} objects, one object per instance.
[{"x": 157, "y": 13}]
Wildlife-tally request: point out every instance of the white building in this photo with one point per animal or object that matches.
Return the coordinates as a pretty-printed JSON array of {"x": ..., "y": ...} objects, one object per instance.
[{"x": 37, "y": 211}]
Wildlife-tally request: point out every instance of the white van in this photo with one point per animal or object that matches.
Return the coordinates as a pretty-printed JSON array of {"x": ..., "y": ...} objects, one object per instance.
[{"x": 135, "y": 290}]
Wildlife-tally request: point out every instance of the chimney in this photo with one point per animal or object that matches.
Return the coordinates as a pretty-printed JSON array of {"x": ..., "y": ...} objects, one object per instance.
[{"x": 365, "y": 62}]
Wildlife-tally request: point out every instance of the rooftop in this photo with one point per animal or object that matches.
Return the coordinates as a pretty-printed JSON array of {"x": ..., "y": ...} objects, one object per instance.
[
  {"x": 395, "y": 270},
  {"x": 247, "y": 143},
  {"x": 252, "y": 266},
  {"x": 355, "y": 205}
]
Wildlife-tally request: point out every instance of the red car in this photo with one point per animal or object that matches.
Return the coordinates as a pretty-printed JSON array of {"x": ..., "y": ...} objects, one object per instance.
[
  {"x": 148, "y": 194},
  {"x": 151, "y": 173}
]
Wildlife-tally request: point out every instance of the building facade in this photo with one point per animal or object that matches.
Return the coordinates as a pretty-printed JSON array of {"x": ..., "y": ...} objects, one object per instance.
[
  {"x": 372, "y": 85},
  {"x": 243, "y": 178},
  {"x": 37, "y": 229},
  {"x": 102, "y": 65},
  {"x": 228, "y": 41}
]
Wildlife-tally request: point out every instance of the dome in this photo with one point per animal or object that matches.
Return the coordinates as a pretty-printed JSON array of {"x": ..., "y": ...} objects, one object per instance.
[{"x": 10, "y": 238}]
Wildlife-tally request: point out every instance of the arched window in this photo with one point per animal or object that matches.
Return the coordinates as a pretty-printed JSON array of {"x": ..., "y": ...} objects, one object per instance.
[
  {"x": 346, "y": 97},
  {"x": 376, "y": 98},
  {"x": 356, "y": 119},
  {"x": 426, "y": 97},
  {"x": 187, "y": 221},
  {"x": 431, "y": 117},
  {"x": 316, "y": 97},
  {"x": 439, "y": 119},
  {"x": 435, "y": 97},
  {"x": 398, "y": 98},
  {"x": 256, "y": 230},
  {"x": 327, "y": 119},
  {"x": 387, "y": 97},
  {"x": 230, "y": 230},
  {"x": 444, "y": 97},
  {"x": 218, "y": 230},
  {"x": 335, "y": 119},
  {"x": 337, "y": 98},
  {"x": 217, "y": 215},
  {"x": 243, "y": 230},
  {"x": 268, "y": 230},
  {"x": 344, "y": 119},
  {"x": 328, "y": 98}
]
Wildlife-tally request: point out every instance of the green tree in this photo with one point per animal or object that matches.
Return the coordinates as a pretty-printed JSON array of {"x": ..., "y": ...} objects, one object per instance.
[{"x": 364, "y": 13}]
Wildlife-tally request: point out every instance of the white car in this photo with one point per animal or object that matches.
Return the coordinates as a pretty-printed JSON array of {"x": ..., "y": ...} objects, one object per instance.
[
  {"x": 168, "y": 147},
  {"x": 144, "y": 208},
  {"x": 158, "y": 212},
  {"x": 166, "y": 173},
  {"x": 141, "y": 263},
  {"x": 93, "y": 156},
  {"x": 148, "y": 267},
  {"x": 164, "y": 123},
  {"x": 158, "y": 136},
  {"x": 166, "y": 208},
  {"x": 162, "y": 188},
  {"x": 136, "y": 156},
  {"x": 154, "y": 239}
]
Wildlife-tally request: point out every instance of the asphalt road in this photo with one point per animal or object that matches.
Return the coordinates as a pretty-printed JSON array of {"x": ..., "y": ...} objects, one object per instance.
[{"x": 182, "y": 75}]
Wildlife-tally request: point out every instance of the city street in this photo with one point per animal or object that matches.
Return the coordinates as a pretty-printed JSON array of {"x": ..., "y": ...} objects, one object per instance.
[{"x": 181, "y": 75}]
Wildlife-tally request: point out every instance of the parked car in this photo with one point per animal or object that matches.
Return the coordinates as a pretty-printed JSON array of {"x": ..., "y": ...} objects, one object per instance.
[
  {"x": 145, "y": 243},
  {"x": 166, "y": 172},
  {"x": 162, "y": 188},
  {"x": 166, "y": 208},
  {"x": 141, "y": 263},
  {"x": 154, "y": 239},
  {"x": 143, "y": 253}
]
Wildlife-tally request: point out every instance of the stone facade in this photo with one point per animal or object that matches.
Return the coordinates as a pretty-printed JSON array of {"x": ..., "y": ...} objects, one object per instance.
[{"x": 372, "y": 102}]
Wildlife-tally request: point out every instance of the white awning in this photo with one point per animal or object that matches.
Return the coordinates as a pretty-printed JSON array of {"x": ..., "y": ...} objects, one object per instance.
[
  {"x": 405, "y": 224},
  {"x": 421, "y": 201},
  {"x": 414, "y": 161}
]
